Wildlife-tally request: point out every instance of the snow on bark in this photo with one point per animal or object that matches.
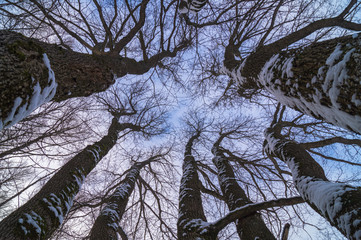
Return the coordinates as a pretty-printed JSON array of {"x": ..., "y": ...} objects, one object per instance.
[
  {"x": 331, "y": 94},
  {"x": 23, "y": 107},
  {"x": 95, "y": 152},
  {"x": 337, "y": 202},
  {"x": 235, "y": 197},
  {"x": 57, "y": 204},
  {"x": 106, "y": 226},
  {"x": 50, "y": 205},
  {"x": 191, "y": 5},
  {"x": 190, "y": 212}
]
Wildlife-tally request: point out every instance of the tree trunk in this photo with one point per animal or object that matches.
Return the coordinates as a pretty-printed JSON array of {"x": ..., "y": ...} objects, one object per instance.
[
  {"x": 338, "y": 203},
  {"x": 190, "y": 202},
  {"x": 321, "y": 80},
  {"x": 35, "y": 72},
  {"x": 44, "y": 213},
  {"x": 252, "y": 226},
  {"x": 106, "y": 226}
]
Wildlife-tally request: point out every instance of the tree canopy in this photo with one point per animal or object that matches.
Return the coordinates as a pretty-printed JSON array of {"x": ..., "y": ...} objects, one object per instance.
[{"x": 187, "y": 119}]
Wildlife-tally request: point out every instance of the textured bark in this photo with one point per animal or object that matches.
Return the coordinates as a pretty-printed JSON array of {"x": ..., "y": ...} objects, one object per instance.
[
  {"x": 338, "y": 203},
  {"x": 321, "y": 80},
  {"x": 251, "y": 226},
  {"x": 106, "y": 224},
  {"x": 22, "y": 67},
  {"x": 44, "y": 213},
  {"x": 190, "y": 202}
]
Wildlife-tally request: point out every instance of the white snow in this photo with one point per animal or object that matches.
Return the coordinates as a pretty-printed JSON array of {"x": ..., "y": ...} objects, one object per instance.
[
  {"x": 30, "y": 223},
  {"x": 54, "y": 205},
  {"x": 287, "y": 68},
  {"x": 356, "y": 101},
  {"x": 235, "y": 74},
  {"x": 38, "y": 97},
  {"x": 95, "y": 151},
  {"x": 202, "y": 226}
]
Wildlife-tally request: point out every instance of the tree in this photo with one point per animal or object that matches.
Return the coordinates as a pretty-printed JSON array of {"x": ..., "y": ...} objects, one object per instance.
[
  {"x": 289, "y": 75},
  {"x": 190, "y": 201},
  {"x": 40, "y": 71},
  {"x": 249, "y": 227},
  {"x": 294, "y": 52},
  {"x": 106, "y": 225},
  {"x": 44, "y": 212},
  {"x": 337, "y": 202}
]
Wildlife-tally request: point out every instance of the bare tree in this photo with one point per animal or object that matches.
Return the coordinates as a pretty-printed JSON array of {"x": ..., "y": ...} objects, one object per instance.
[
  {"x": 337, "y": 202},
  {"x": 190, "y": 201},
  {"x": 115, "y": 34},
  {"x": 106, "y": 226},
  {"x": 44, "y": 212},
  {"x": 324, "y": 86},
  {"x": 249, "y": 227}
]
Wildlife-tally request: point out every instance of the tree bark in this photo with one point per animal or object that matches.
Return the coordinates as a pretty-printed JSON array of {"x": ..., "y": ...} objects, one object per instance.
[
  {"x": 338, "y": 203},
  {"x": 106, "y": 226},
  {"x": 251, "y": 226},
  {"x": 35, "y": 72},
  {"x": 191, "y": 212},
  {"x": 321, "y": 80},
  {"x": 44, "y": 213}
]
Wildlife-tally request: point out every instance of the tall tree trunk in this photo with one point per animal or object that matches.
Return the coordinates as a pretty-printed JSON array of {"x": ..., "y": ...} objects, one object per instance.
[
  {"x": 190, "y": 201},
  {"x": 44, "y": 213},
  {"x": 338, "y": 203},
  {"x": 321, "y": 80},
  {"x": 35, "y": 72},
  {"x": 106, "y": 226},
  {"x": 252, "y": 226}
]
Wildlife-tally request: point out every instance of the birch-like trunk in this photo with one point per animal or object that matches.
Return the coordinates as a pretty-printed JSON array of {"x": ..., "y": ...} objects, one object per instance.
[
  {"x": 44, "y": 213},
  {"x": 106, "y": 225},
  {"x": 252, "y": 226},
  {"x": 339, "y": 203}
]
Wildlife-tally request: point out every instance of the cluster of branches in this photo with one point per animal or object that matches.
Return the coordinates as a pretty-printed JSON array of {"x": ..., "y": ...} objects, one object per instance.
[{"x": 295, "y": 53}]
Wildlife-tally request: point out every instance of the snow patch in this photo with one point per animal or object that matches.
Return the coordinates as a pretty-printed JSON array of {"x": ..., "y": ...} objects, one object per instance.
[{"x": 235, "y": 73}]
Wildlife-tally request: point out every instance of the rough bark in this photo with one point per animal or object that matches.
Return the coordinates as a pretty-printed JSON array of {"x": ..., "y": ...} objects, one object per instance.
[
  {"x": 22, "y": 67},
  {"x": 44, "y": 213},
  {"x": 338, "y": 203},
  {"x": 106, "y": 225},
  {"x": 190, "y": 202},
  {"x": 321, "y": 80},
  {"x": 251, "y": 226}
]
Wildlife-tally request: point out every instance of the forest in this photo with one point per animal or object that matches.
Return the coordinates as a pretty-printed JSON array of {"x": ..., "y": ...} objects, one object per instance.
[{"x": 180, "y": 119}]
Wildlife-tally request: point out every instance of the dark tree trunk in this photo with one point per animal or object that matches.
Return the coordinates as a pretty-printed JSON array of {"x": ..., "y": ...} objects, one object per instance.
[
  {"x": 34, "y": 72},
  {"x": 190, "y": 202},
  {"x": 338, "y": 203},
  {"x": 106, "y": 226},
  {"x": 44, "y": 213},
  {"x": 252, "y": 226}
]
